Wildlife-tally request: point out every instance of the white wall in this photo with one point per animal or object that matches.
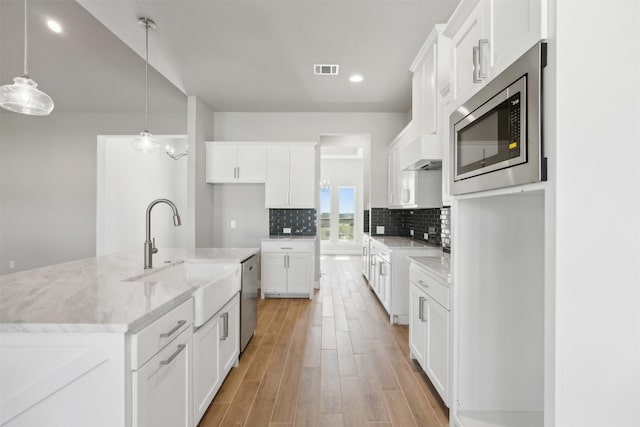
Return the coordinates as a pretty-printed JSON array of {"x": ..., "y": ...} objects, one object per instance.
[
  {"x": 128, "y": 181},
  {"x": 48, "y": 182},
  {"x": 597, "y": 213},
  {"x": 382, "y": 127}
]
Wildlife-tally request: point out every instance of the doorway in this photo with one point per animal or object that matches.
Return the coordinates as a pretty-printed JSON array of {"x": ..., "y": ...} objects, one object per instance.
[{"x": 341, "y": 204}]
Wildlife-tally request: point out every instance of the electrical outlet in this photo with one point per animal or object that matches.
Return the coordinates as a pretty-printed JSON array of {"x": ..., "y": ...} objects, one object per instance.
[
  {"x": 233, "y": 223},
  {"x": 12, "y": 264},
  {"x": 426, "y": 236},
  {"x": 411, "y": 233},
  {"x": 286, "y": 230},
  {"x": 379, "y": 229}
]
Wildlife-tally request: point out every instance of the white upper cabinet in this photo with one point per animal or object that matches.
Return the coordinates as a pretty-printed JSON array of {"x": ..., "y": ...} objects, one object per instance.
[
  {"x": 290, "y": 177},
  {"x": 489, "y": 35},
  {"x": 430, "y": 70},
  {"x": 302, "y": 177},
  {"x": 234, "y": 162}
]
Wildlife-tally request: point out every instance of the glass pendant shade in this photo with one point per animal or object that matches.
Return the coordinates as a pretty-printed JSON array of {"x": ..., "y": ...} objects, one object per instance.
[
  {"x": 145, "y": 142},
  {"x": 24, "y": 97}
]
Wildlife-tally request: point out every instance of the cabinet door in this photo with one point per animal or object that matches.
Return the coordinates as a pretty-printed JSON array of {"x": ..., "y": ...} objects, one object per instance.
[
  {"x": 409, "y": 187},
  {"x": 299, "y": 274},
  {"x": 417, "y": 98},
  {"x": 274, "y": 277},
  {"x": 384, "y": 289},
  {"x": 365, "y": 259},
  {"x": 437, "y": 347},
  {"x": 395, "y": 179},
  {"x": 515, "y": 27},
  {"x": 302, "y": 177},
  {"x": 463, "y": 43},
  {"x": 229, "y": 332},
  {"x": 221, "y": 163},
  {"x": 162, "y": 387},
  {"x": 417, "y": 325},
  {"x": 429, "y": 92},
  {"x": 277, "y": 185},
  {"x": 252, "y": 164},
  {"x": 207, "y": 377}
]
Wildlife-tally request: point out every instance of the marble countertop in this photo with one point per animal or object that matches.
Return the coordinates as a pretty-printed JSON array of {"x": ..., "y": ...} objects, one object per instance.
[
  {"x": 92, "y": 294},
  {"x": 438, "y": 265},
  {"x": 288, "y": 237},
  {"x": 399, "y": 242}
]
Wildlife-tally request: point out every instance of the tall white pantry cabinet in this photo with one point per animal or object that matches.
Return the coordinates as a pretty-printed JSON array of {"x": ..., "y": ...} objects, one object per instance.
[{"x": 527, "y": 347}]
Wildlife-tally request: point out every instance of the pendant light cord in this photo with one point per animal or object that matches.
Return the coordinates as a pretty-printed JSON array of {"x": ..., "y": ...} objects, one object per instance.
[
  {"x": 26, "y": 42},
  {"x": 146, "y": 77}
]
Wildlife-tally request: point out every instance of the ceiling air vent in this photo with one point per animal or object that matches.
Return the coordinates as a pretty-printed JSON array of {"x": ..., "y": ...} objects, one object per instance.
[{"x": 325, "y": 69}]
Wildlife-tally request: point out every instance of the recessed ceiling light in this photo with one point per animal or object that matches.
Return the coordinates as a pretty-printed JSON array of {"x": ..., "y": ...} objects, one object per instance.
[
  {"x": 356, "y": 78},
  {"x": 54, "y": 26}
]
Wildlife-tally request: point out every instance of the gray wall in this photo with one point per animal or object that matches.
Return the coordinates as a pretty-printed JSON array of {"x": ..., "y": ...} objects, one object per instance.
[
  {"x": 382, "y": 127},
  {"x": 48, "y": 182},
  {"x": 200, "y": 194},
  {"x": 244, "y": 204}
]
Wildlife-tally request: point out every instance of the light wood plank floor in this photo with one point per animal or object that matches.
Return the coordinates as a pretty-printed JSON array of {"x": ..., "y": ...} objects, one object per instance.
[{"x": 332, "y": 361}]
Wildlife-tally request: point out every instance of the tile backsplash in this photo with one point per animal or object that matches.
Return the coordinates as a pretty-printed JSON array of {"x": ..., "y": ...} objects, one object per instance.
[
  {"x": 302, "y": 222},
  {"x": 366, "y": 221},
  {"x": 400, "y": 222},
  {"x": 445, "y": 227}
]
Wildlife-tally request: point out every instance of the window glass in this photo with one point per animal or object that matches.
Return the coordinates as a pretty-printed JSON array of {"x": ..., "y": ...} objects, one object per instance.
[{"x": 347, "y": 214}]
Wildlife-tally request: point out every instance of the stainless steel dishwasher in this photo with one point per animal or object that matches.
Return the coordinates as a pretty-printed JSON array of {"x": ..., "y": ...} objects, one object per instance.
[{"x": 248, "y": 300}]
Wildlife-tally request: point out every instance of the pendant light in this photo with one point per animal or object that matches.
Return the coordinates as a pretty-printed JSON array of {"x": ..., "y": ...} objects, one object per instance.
[
  {"x": 145, "y": 142},
  {"x": 23, "y": 95}
]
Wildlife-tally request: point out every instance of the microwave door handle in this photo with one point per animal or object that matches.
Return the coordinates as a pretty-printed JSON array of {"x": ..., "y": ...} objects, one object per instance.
[{"x": 476, "y": 64}]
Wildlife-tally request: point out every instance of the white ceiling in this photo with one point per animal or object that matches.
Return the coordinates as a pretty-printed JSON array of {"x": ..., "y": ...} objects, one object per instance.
[{"x": 236, "y": 55}]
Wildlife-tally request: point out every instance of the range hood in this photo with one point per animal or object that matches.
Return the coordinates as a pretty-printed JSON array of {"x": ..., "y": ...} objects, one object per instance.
[
  {"x": 424, "y": 164},
  {"x": 424, "y": 152}
]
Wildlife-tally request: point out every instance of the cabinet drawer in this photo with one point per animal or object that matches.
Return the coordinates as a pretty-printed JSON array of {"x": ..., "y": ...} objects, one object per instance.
[
  {"x": 434, "y": 288},
  {"x": 146, "y": 343},
  {"x": 288, "y": 246}
]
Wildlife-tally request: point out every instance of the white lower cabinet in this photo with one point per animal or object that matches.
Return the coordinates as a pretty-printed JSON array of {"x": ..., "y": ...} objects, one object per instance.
[
  {"x": 288, "y": 267},
  {"x": 161, "y": 370},
  {"x": 429, "y": 328},
  {"x": 216, "y": 350},
  {"x": 161, "y": 388}
]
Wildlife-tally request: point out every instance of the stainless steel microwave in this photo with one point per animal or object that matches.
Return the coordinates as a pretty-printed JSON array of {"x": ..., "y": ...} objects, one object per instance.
[{"x": 496, "y": 136}]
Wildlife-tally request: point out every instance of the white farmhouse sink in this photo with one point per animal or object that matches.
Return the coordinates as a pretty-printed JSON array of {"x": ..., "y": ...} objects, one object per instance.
[{"x": 216, "y": 283}]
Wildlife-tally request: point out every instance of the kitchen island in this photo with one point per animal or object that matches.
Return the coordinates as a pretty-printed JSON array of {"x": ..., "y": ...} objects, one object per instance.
[{"x": 89, "y": 342}]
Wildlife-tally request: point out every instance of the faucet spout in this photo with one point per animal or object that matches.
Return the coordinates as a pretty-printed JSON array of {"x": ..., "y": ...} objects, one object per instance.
[{"x": 149, "y": 243}]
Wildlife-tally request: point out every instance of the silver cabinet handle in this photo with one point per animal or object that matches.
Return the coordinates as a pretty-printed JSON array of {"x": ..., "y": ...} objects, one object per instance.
[
  {"x": 483, "y": 53},
  {"x": 174, "y": 355},
  {"x": 476, "y": 64},
  {"x": 173, "y": 331},
  {"x": 238, "y": 172},
  {"x": 225, "y": 326},
  {"x": 421, "y": 308},
  {"x": 287, "y": 249}
]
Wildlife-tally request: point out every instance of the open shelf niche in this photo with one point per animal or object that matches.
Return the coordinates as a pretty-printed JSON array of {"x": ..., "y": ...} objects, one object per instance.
[{"x": 499, "y": 318}]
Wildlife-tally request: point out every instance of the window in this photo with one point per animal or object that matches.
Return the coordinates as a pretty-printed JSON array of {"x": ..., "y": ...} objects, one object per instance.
[
  {"x": 325, "y": 214},
  {"x": 347, "y": 214}
]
